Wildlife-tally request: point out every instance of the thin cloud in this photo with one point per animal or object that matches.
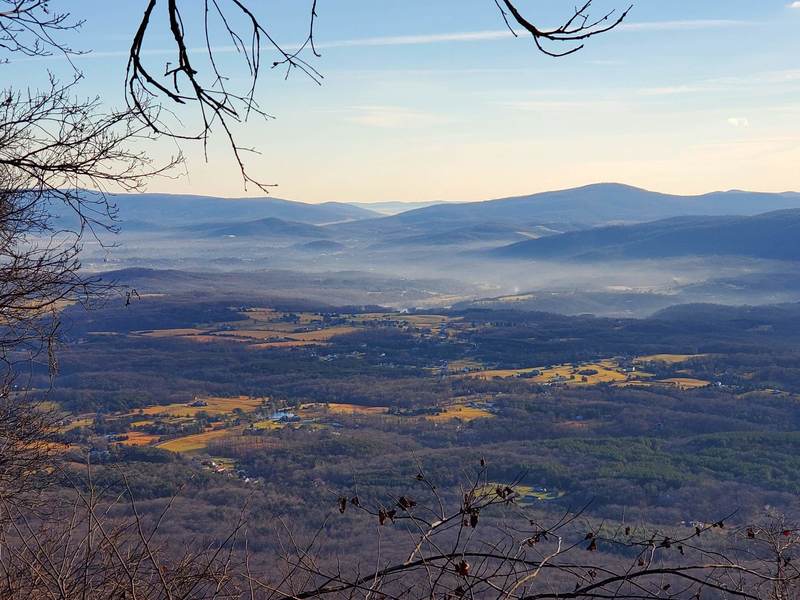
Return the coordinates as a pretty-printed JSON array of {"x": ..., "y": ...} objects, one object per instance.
[
  {"x": 432, "y": 38},
  {"x": 416, "y": 40},
  {"x": 722, "y": 84},
  {"x": 498, "y": 34},
  {"x": 393, "y": 117},
  {"x": 683, "y": 25},
  {"x": 795, "y": 4}
]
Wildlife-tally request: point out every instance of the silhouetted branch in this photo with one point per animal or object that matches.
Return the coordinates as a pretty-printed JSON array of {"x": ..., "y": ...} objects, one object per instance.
[
  {"x": 197, "y": 77},
  {"x": 577, "y": 28},
  {"x": 30, "y": 28},
  {"x": 476, "y": 551}
]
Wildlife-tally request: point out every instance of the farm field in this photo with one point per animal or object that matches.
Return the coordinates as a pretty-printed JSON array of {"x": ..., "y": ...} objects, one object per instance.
[
  {"x": 266, "y": 425},
  {"x": 210, "y": 406},
  {"x": 687, "y": 383},
  {"x": 354, "y": 409},
  {"x": 590, "y": 373},
  {"x": 198, "y": 441},
  {"x": 139, "y": 438},
  {"x": 606, "y": 371},
  {"x": 682, "y": 383},
  {"x": 459, "y": 366},
  {"x": 314, "y": 404},
  {"x": 264, "y": 328},
  {"x": 460, "y": 412},
  {"x": 670, "y": 359},
  {"x": 603, "y": 371}
]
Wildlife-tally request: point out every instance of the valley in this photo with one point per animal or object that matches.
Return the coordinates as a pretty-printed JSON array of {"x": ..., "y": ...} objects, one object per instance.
[
  {"x": 633, "y": 252},
  {"x": 654, "y": 410}
]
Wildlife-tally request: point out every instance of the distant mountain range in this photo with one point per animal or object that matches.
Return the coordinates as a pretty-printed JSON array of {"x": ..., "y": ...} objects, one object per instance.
[
  {"x": 773, "y": 235},
  {"x": 559, "y": 211},
  {"x": 686, "y": 248},
  {"x": 578, "y": 208},
  {"x": 605, "y": 203},
  {"x": 601, "y": 221},
  {"x": 171, "y": 210}
]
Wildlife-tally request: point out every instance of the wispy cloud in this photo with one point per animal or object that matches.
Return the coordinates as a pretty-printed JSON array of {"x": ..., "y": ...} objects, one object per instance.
[
  {"x": 416, "y": 40},
  {"x": 393, "y": 117},
  {"x": 497, "y": 34},
  {"x": 692, "y": 24},
  {"x": 795, "y": 4},
  {"x": 723, "y": 84},
  {"x": 429, "y": 38},
  {"x": 739, "y": 122}
]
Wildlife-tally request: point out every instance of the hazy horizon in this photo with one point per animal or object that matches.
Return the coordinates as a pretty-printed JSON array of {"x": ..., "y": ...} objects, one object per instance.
[{"x": 277, "y": 196}]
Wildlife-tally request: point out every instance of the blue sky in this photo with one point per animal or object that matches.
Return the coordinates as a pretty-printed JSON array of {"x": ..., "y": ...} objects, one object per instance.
[{"x": 434, "y": 100}]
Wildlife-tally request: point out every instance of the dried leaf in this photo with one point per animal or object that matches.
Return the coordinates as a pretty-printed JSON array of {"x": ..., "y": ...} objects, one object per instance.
[
  {"x": 462, "y": 568},
  {"x": 405, "y": 503}
]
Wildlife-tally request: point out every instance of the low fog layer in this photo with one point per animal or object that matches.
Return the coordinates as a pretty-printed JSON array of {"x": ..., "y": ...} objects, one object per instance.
[{"x": 537, "y": 252}]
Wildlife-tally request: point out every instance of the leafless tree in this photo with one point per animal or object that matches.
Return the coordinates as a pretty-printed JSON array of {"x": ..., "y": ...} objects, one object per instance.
[
  {"x": 485, "y": 545},
  {"x": 86, "y": 550},
  {"x": 59, "y": 154},
  {"x": 481, "y": 542},
  {"x": 54, "y": 149},
  {"x": 26, "y": 434}
]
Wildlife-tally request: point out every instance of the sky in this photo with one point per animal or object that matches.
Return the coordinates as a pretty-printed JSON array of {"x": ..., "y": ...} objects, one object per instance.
[{"x": 436, "y": 100}]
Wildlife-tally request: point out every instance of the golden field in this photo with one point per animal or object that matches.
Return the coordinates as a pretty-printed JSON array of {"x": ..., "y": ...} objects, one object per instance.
[
  {"x": 139, "y": 438},
  {"x": 686, "y": 383},
  {"x": 215, "y": 406},
  {"x": 460, "y": 411},
  {"x": 670, "y": 359},
  {"x": 197, "y": 441},
  {"x": 317, "y": 409},
  {"x": 608, "y": 371},
  {"x": 354, "y": 409}
]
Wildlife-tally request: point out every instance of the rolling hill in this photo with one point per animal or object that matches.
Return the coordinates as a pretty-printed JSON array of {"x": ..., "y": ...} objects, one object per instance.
[
  {"x": 270, "y": 227},
  {"x": 563, "y": 210},
  {"x": 320, "y": 246},
  {"x": 603, "y": 203},
  {"x": 773, "y": 235},
  {"x": 154, "y": 211}
]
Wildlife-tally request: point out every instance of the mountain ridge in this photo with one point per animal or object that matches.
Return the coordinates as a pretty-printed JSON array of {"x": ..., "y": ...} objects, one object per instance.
[{"x": 771, "y": 235}]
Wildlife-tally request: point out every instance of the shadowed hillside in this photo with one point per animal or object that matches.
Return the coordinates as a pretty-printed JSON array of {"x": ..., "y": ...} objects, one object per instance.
[{"x": 774, "y": 235}]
